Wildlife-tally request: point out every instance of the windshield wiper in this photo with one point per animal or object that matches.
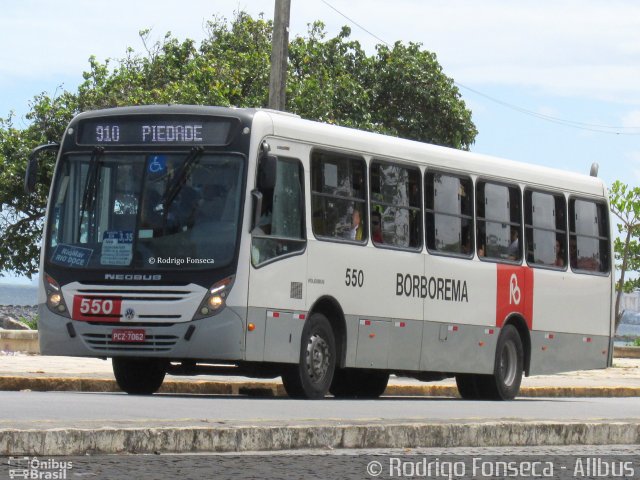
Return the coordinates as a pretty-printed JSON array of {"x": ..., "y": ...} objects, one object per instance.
[
  {"x": 90, "y": 186},
  {"x": 180, "y": 178}
]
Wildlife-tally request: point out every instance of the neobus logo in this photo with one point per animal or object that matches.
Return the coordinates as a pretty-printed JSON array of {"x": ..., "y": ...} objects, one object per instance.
[{"x": 131, "y": 277}]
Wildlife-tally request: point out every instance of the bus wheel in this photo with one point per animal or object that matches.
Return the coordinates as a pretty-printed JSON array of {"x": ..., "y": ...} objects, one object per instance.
[
  {"x": 139, "y": 376},
  {"x": 504, "y": 384},
  {"x": 312, "y": 377},
  {"x": 351, "y": 383}
]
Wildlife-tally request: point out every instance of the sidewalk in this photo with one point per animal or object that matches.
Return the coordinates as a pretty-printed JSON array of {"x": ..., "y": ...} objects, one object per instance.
[{"x": 44, "y": 373}]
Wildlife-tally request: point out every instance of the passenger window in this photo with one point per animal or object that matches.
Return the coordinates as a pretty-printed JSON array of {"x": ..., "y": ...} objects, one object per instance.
[
  {"x": 280, "y": 230},
  {"x": 449, "y": 213},
  {"x": 499, "y": 221},
  {"x": 395, "y": 206},
  {"x": 338, "y": 197},
  {"x": 589, "y": 236},
  {"x": 545, "y": 229}
]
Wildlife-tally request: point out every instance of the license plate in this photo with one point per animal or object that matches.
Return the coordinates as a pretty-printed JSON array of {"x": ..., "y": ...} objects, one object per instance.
[{"x": 128, "y": 336}]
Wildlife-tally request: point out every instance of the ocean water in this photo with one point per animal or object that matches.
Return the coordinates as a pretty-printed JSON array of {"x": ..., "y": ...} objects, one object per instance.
[{"x": 18, "y": 294}]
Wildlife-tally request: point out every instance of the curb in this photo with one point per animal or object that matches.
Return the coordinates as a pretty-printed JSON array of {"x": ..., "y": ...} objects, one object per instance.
[
  {"x": 261, "y": 438},
  {"x": 275, "y": 389},
  {"x": 626, "y": 352},
  {"x": 19, "y": 341}
]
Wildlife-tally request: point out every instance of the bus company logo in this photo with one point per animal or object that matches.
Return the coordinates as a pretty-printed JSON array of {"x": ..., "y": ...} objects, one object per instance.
[
  {"x": 514, "y": 293},
  {"x": 132, "y": 277},
  {"x": 514, "y": 290},
  {"x": 129, "y": 314}
]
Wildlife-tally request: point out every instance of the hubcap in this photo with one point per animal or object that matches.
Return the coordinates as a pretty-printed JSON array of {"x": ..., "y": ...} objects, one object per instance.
[
  {"x": 509, "y": 363},
  {"x": 318, "y": 357}
]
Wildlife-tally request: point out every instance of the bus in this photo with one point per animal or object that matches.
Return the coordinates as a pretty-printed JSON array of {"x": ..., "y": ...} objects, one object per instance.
[{"x": 191, "y": 240}]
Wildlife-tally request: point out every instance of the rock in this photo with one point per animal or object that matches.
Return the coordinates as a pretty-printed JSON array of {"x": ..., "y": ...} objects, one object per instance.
[{"x": 9, "y": 323}]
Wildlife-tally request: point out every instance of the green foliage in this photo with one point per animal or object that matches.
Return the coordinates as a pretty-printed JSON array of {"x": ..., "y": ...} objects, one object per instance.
[
  {"x": 401, "y": 90},
  {"x": 636, "y": 342},
  {"x": 32, "y": 323},
  {"x": 625, "y": 204}
]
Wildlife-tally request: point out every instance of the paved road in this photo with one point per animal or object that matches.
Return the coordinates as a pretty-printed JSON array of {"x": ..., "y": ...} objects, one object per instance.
[
  {"x": 565, "y": 462},
  {"x": 71, "y": 409}
]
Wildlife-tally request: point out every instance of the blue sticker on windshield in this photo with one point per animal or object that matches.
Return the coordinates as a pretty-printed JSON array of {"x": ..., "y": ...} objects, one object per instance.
[
  {"x": 71, "y": 256},
  {"x": 157, "y": 164}
]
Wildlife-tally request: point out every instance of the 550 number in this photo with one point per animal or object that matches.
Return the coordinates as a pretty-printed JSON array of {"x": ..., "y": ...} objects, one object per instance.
[{"x": 354, "y": 277}]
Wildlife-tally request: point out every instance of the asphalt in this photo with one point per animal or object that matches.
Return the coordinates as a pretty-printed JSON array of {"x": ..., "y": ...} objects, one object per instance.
[{"x": 22, "y": 372}]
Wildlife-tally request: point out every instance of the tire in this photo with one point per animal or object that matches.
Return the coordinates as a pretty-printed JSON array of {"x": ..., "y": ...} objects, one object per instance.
[
  {"x": 139, "y": 376},
  {"x": 504, "y": 384},
  {"x": 351, "y": 383},
  {"x": 312, "y": 376}
]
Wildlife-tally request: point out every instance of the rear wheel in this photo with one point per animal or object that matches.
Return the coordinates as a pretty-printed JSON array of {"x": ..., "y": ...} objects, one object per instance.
[
  {"x": 139, "y": 376},
  {"x": 352, "y": 383},
  {"x": 504, "y": 384},
  {"x": 312, "y": 376}
]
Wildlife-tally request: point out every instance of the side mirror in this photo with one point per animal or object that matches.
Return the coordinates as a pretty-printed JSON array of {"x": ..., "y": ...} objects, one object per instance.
[
  {"x": 31, "y": 175},
  {"x": 267, "y": 172},
  {"x": 256, "y": 196}
]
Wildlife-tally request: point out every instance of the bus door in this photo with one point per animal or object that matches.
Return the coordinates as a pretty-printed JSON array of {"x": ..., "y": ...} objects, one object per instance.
[{"x": 278, "y": 267}]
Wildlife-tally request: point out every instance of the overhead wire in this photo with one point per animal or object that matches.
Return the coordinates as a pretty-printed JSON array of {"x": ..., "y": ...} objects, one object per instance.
[{"x": 592, "y": 127}]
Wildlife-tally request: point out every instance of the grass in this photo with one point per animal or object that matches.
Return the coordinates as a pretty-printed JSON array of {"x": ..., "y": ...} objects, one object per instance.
[
  {"x": 636, "y": 342},
  {"x": 31, "y": 323}
]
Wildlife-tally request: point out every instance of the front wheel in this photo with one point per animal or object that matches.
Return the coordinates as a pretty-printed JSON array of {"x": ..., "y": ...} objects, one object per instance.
[
  {"x": 139, "y": 376},
  {"x": 312, "y": 376}
]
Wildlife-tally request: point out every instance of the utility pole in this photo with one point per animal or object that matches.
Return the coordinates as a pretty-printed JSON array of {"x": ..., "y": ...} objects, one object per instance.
[{"x": 279, "y": 55}]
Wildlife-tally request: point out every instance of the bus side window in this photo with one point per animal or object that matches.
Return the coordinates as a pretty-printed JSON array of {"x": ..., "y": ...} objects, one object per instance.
[
  {"x": 449, "y": 213},
  {"x": 588, "y": 236},
  {"x": 338, "y": 197},
  {"x": 280, "y": 230},
  {"x": 499, "y": 222},
  {"x": 395, "y": 205},
  {"x": 545, "y": 229}
]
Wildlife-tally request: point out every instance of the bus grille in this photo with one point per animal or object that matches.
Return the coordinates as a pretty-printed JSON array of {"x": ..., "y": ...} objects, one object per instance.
[{"x": 152, "y": 343}]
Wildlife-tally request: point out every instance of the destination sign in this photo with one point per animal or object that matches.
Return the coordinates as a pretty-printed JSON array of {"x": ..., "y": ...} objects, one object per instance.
[{"x": 148, "y": 130}]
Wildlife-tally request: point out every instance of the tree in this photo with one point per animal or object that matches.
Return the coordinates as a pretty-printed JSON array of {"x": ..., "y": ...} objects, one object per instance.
[
  {"x": 401, "y": 90},
  {"x": 625, "y": 204}
]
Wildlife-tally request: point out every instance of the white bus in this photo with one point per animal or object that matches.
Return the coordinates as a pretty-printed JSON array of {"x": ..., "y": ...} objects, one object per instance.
[{"x": 185, "y": 240}]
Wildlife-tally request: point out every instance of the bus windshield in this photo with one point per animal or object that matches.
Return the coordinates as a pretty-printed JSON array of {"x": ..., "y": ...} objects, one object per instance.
[{"x": 145, "y": 211}]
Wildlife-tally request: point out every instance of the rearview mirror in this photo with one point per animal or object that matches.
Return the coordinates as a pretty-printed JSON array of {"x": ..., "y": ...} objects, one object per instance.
[
  {"x": 267, "y": 172},
  {"x": 31, "y": 175}
]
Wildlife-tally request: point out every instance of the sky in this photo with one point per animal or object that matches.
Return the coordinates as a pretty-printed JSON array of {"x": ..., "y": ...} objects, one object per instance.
[{"x": 549, "y": 82}]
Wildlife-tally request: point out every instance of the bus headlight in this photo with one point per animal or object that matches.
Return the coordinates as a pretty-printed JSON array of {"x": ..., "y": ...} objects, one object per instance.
[
  {"x": 215, "y": 299},
  {"x": 55, "y": 300}
]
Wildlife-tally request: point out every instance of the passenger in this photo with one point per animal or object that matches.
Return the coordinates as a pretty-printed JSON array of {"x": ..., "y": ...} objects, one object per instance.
[
  {"x": 513, "y": 251},
  {"x": 559, "y": 255},
  {"x": 357, "y": 231},
  {"x": 376, "y": 227}
]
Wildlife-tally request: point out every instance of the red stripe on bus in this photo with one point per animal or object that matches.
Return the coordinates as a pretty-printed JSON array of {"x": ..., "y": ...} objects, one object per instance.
[{"x": 514, "y": 293}]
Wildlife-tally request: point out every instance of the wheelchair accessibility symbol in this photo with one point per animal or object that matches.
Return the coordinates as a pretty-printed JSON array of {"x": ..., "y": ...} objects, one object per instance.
[{"x": 157, "y": 164}]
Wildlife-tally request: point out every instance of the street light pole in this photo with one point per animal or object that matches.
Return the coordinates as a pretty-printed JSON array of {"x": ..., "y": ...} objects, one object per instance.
[{"x": 279, "y": 55}]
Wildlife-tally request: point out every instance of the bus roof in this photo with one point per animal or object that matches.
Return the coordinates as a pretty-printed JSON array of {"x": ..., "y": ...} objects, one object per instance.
[
  {"x": 375, "y": 145},
  {"x": 450, "y": 159}
]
